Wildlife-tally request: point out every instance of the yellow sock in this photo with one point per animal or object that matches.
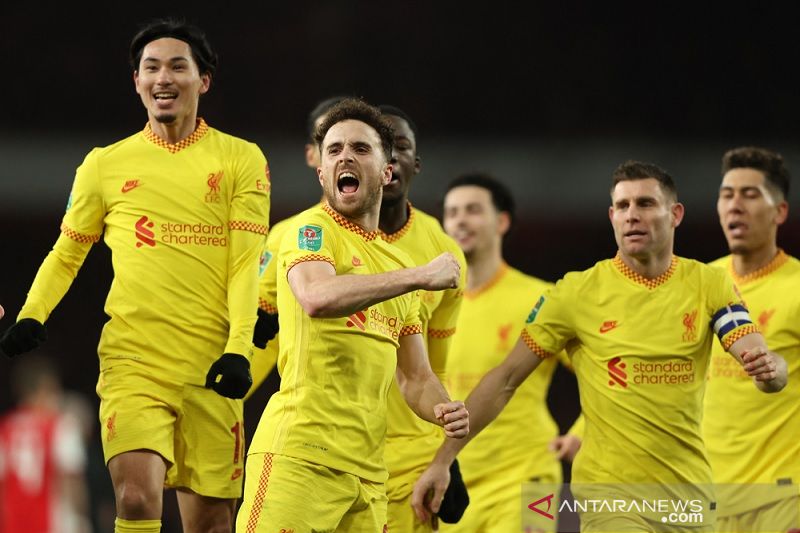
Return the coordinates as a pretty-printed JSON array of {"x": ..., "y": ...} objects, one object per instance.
[{"x": 136, "y": 526}]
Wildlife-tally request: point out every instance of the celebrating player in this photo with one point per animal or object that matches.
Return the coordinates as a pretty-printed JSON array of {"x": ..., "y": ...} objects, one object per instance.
[
  {"x": 639, "y": 329},
  {"x": 184, "y": 209}
]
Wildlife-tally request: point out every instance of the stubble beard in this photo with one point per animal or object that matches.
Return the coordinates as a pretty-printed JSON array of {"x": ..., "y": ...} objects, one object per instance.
[
  {"x": 166, "y": 119},
  {"x": 356, "y": 210}
]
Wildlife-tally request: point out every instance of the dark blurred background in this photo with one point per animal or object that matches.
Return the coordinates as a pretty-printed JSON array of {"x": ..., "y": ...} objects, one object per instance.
[{"x": 549, "y": 97}]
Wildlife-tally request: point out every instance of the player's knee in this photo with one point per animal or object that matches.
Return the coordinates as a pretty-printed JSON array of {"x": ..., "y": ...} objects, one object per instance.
[{"x": 135, "y": 502}]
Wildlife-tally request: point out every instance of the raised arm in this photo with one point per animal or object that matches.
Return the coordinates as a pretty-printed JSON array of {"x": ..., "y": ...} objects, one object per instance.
[{"x": 323, "y": 294}]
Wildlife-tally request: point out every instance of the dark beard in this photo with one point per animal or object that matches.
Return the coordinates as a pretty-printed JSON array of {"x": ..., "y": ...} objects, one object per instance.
[
  {"x": 356, "y": 211},
  {"x": 166, "y": 119}
]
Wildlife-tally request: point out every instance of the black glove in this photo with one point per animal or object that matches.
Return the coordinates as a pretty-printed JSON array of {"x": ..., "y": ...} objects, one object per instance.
[
  {"x": 266, "y": 328},
  {"x": 233, "y": 371},
  {"x": 24, "y": 336},
  {"x": 455, "y": 499}
]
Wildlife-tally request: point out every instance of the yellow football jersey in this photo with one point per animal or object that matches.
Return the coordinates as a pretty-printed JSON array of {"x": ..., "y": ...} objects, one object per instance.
[
  {"x": 752, "y": 437},
  {"x": 181, "y": 296},
  {"x": 335, "y": 372},
  {"x": 264, "y": 359},
  {"x": 640, "y": 349},
  {"x": 514, "y": 445},
  {"x": 411, "y": 441}
]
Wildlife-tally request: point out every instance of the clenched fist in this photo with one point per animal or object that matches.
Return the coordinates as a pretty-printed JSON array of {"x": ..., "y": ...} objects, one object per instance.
[
  {"x": 760, "y": 363},
  {"x": 441, "y": 273},
  {"x": 454, "y": 418}
]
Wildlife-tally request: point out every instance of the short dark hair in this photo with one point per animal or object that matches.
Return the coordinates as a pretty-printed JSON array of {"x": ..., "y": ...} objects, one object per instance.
[
  {"x": 203, "y": 54},
  {"x": 502, "y": 199},
  {"x": 322, "y": 107},
  {"x": 356, "y": 109},
  {"x": 637, "y": 170},
  {"x": 30, "y": 373},
  {"x": 769, "y": 162},
  {"x": 395, "y": 111}
]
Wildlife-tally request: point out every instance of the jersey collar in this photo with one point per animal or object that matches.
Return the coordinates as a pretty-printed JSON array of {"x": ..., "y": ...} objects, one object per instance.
[
  {"x": 350, "y": 226},
  {"x": 199, "y": 132},
  {"x": 778, "y": 261},
  {"x": 628, "y": 272},
  {"x": 495, "y": 279},
  {"x": 397, "y": 235}
]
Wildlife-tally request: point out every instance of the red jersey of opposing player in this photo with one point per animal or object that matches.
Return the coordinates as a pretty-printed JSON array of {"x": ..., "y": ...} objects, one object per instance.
[{"x": 37, "y": 446}]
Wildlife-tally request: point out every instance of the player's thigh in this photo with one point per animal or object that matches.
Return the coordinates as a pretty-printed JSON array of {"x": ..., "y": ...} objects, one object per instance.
[
  {"x": 209, "y": 444},
  {"x": 136, "y": 413},
  {"x": 778, "y": 516},
  {"x": 282, "y": 492},
  {"x": 368, "y": 513},
  {"x": 203, "y": 513}
]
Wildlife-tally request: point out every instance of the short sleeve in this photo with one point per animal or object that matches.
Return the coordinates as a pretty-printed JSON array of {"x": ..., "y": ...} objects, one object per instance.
[
  {"x": 549, "y": 325},
  {"x": 308, "y": 238},
  {"x": 411, "y": 322},
  {"x": 730, "y": 318}
]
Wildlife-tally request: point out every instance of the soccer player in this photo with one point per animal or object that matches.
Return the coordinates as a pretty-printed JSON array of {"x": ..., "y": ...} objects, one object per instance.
[
  {"x": 265, "y": 336},
  {"x": 349, "y": 317},
  {"x": 184, "y": 209},
  {"x": 516, "y": 447},
  {"x": 410, "y": 441},
  {"x": 639, "y": 329},
  {"x": 753, "y": 439}
]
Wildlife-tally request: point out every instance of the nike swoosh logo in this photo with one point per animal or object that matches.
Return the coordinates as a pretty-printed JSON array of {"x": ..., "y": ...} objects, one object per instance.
[
  {"x": 608, "y": 326},
  {"x": 130, "y": 185}
]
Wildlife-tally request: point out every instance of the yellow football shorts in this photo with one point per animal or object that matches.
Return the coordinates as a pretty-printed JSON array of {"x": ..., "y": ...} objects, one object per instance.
[
  {"x": 197, "y": 431},
  {"x": 282, "y": 493}
]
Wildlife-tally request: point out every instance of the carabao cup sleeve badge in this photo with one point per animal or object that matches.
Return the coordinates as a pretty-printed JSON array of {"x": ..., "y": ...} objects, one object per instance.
[
  {"x": 310, "y": 238},
  {"x": 535, "y": 311}
]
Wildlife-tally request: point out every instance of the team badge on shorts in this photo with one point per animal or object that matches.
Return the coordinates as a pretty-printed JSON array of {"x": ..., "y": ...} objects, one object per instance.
[{"x": 310, "y": 238}]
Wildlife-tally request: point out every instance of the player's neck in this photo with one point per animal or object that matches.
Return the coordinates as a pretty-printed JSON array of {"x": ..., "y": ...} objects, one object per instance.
[
  {"x": 648, "y": 266},
  {"x": 482, "y": 270},
  {"x": 752, "y": 260},
  {"x": 394, "y": 215},
  {"x": 367, "y": 221},
  {"x": 175, "y": 131}
]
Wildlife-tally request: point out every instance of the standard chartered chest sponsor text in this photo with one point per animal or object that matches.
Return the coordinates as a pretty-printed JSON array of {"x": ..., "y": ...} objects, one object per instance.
[
  {"x": 198, "y": 234},
  {"x": 667, "y": 373}
]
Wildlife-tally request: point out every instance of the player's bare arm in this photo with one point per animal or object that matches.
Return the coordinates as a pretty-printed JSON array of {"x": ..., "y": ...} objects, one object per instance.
[
  {"x": 768, "y": 369},
  {"x": 424, "y": 392},
  {"x": 484, "y": 404},
  {"x": 323, "y": 294}
]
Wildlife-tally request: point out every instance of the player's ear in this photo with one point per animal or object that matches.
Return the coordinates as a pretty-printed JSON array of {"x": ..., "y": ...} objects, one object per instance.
[
  {"x": 136, "y": 80},
  {"x": 205, "y": 82},
  {"x": 503, "y": 222},
  {"x": 782, "y": 212},
  {"x": 677, "y": 210},
  {"x": 417, "y": 165},
  {"x": 387, "y": 174}
]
